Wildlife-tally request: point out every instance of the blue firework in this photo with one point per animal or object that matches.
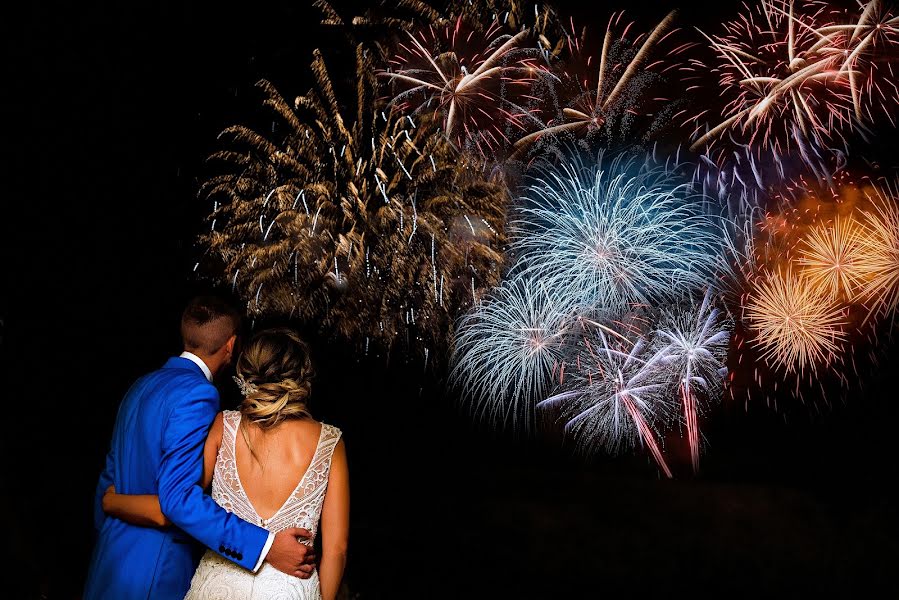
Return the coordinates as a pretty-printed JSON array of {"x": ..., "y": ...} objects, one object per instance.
[
  {"x": 508, "y": 348},
  {"x": 692, "y": 345},
  {"x": 614, "y": 233}
]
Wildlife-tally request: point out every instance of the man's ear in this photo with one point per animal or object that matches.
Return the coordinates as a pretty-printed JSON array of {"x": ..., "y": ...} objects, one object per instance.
[{"x": 232, "y": 341}]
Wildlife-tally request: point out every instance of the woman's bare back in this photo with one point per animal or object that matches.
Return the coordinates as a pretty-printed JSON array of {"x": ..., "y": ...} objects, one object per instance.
[{"x": 282, "y": 456}]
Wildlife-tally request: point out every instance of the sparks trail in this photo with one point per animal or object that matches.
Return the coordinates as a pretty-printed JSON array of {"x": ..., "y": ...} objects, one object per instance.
[{"x": 692, "y": 344}]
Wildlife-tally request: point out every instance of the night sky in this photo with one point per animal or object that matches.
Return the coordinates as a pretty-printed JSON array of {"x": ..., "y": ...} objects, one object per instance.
[{"x": 109, "y": 114}]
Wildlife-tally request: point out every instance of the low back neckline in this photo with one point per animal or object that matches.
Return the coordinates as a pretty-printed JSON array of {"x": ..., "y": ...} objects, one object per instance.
[{"x": 265, "y": 521}]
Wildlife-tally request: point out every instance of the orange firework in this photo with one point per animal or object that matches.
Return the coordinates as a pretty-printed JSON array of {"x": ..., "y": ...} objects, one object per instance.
[
  {"x": 880, "y": 269},
  {"x": 833, "y": 258},
  {"x": 797, "y": 326}
]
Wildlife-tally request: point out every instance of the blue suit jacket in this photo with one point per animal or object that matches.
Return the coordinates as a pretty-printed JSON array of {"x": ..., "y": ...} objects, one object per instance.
[{"x": 157, "y": 448}]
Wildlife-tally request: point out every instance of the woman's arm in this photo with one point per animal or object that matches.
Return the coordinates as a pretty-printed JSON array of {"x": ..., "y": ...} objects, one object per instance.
[
  {"x": 211, "y": 449},
  {"x": 137, "y": 509},
  {"x": 335, "y": 525},
  {"x": 144, "y": 509}
]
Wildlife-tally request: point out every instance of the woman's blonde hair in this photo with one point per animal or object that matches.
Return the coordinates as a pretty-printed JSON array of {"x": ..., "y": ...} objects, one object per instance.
[{"x": 277, "y": 365}]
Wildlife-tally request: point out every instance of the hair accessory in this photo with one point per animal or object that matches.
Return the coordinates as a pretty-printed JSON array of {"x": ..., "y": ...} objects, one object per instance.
[{"x": 246, "y": 388}]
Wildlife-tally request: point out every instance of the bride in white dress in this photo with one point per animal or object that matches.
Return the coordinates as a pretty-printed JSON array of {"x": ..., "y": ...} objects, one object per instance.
[{"x": 271, "y": 464}]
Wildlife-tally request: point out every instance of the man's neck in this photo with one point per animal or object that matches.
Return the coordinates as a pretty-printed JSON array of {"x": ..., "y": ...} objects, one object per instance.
[{"x": 206, "y": 364}]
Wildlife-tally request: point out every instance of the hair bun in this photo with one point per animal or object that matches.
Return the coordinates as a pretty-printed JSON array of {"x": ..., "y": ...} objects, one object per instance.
[{"x": 277, "y": 371}]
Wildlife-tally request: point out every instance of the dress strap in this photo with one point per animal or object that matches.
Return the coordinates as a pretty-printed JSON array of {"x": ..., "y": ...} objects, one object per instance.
[
  {"x": 231, "y": 421},
  {"x": 328, "y": 441}
]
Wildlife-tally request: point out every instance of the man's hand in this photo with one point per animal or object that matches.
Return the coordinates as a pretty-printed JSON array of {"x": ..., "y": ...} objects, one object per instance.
[{"x": 290, "y": 556}]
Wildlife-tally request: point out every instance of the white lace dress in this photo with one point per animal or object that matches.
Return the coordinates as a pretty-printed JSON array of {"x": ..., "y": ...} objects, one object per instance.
[{"x": 218, "y": 578}]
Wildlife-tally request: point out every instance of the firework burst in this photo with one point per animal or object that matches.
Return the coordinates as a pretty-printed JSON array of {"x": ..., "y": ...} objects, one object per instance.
[
  {"x": 507, "y": 349},
  {"x": 832, "y": 257},
  {"x": 693, "y": 345},
  {"x": 781, "y": 93},
  {"x": 816, "y": 256},
  {"x": 619, "y": 232},
  {"x": 380, "y": 215},
  {"x": 474, "y": 81},
  {"x": 880, "y": 268},
  {"x": 369, "y": 227},
  {"x": 797, "y": 326},
  {"x": 615, "y": 397},
  {"x": 599, "y": 98}
]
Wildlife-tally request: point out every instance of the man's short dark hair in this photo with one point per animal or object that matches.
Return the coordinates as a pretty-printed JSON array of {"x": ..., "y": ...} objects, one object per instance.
[{"x": 208, "y": 322}]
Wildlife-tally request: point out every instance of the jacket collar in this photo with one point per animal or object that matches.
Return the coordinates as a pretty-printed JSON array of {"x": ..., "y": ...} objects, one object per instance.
[
  {"x": 199, "y": 362},
  {"x": 180, "y": 362}
]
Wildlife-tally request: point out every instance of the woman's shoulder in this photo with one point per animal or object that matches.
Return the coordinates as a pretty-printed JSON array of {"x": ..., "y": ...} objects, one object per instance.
[{"x": 309, "y": 425}]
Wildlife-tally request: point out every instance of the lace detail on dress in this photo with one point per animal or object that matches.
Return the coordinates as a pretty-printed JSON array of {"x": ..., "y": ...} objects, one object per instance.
[
  {"x": 301, "y": 509},
  {"x": 218, "y": 578}
]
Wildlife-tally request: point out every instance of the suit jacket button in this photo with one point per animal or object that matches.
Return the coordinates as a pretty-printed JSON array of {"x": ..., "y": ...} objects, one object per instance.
[
  {"x": 221, "y": 549},
  {"x": 239, "y": 556}
]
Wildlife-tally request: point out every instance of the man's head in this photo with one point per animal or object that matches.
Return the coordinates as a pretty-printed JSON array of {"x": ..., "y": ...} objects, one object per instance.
[{"x": 209, "y": 328}]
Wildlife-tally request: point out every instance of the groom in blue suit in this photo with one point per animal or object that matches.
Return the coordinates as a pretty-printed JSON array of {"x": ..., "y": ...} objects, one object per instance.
[{"x": 157, "y": 448}]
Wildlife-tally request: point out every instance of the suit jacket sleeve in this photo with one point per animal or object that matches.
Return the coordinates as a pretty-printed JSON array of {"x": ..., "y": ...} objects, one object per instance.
[
  {"x": 106, "y": 480},
  {"x": 180, "y": 496},
  {"x": 107, "y": 476}
]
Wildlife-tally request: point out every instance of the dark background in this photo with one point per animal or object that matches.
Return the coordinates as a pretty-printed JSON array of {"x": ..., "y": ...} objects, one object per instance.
[{"x": 108, "y": 114}]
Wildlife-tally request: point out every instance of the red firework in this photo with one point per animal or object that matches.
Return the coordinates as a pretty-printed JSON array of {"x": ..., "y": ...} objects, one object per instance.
[
  {"x": 475, "y": 81},
  {"x": 780, "y": 88}
]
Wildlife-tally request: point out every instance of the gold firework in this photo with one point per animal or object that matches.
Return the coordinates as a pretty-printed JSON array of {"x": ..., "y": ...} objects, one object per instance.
[
  {"x": 880, "y": 270},
  {"x": 365, "y": 224},
  {"x": 797, "y": 327},
  {"x": 833, "y": 258}
]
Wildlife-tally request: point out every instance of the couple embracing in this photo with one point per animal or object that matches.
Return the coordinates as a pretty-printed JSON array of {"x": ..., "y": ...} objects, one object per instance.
[{"x": 277, "y": 476}]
